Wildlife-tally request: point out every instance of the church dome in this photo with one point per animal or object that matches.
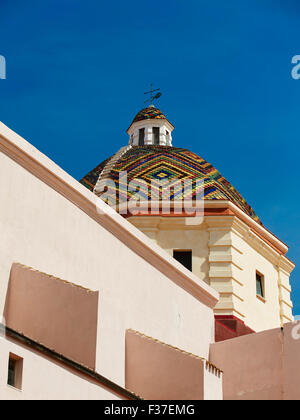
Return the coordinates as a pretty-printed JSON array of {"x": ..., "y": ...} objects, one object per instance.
[
  {"x": 149, "y": 113},
  {"x": 150, "y": 163}
]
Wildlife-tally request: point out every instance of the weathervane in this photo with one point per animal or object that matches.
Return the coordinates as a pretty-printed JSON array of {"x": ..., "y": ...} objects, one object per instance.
[{"x": 153, "y": 97}]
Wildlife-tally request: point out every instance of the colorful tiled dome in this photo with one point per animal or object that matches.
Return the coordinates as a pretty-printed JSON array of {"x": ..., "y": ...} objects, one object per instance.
[
  {"x": 149, "y": 113},
  {"x": 163, "y": 163}
]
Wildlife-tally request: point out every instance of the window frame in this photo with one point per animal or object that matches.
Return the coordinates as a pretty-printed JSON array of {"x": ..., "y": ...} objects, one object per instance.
[
  {"x": 167, "y": 138},
  {"x": 17, "y": 361},
  {"x": 156, "y": 140},
  {"x": 190, "y": 251},
  {"x": 261, "y": 276},
  {"x": 142, "y": 137}
]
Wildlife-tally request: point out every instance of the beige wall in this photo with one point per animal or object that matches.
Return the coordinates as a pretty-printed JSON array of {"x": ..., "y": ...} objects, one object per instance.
[
  {"x": 44, "y": 379},
  {"x": 226, "y": 255},
  {"x": 174, "y": 233},
  {"x": 43, "y": 229},
  {"x": 259, "y": 315},
  {"x": 237, "y": 253},
  {"x": 194, "y": 239}
]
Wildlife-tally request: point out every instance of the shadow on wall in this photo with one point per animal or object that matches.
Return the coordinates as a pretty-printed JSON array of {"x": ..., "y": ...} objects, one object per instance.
[
  {"x": 158, "y": 371},
  {"x": 53, "y": 312}
]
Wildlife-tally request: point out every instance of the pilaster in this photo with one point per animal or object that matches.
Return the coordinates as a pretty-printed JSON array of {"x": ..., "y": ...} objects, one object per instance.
[{"x": 225, "y": 266}]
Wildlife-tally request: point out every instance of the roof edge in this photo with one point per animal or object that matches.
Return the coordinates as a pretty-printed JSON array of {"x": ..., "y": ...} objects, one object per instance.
[
  {"x": 220, "y": 204},
  {"x": 15, "y": 335},
  {"x": 30, "y": 158},
  {"x": 150, "y": 119},
  {"x": 250, "y": 222}
]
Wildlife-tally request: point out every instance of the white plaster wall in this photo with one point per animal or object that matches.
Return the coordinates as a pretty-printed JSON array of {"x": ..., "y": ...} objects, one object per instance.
[
  {"x": 258, "y": 315},
  {"x": 148, "y": 125},
  {"x": 213, "y": 384},
  {"x": 44, "y": 379},
  {"x": 42, "y": 229}
]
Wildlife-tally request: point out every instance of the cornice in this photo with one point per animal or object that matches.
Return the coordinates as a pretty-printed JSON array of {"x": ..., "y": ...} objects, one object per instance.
[
  {"x": 221, "y": 223},
  {"x": 239, "y": 227},
  {"x": 265, "y": 233}
]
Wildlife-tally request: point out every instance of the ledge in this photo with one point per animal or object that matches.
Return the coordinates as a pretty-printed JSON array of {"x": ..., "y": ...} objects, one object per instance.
[
  {"x": 261, "y": 298},
  {"x": 260, "y": 229},
  {"x": 59, "y": 358}
]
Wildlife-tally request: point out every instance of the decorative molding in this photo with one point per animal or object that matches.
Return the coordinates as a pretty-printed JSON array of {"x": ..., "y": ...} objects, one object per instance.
[
  {"x": 263, "y": 300},
  {"x": 229, "y": 294},
  {"x": 277, "y": 243},
  {"x": 239, "y": 227},
  {"x": 224, "y": 258},
  {"x": 287, "y": 288},
  {"x": 229, "y": 310},
  {"x": 289, "y": 319},
  {"x": 289, "y": 304}
]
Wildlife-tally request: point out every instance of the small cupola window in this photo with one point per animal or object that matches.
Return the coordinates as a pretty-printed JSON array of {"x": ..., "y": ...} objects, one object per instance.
[
  {"x": 156, "y": 133},
  {"x": 141, "y": 137},
  {"x": 167, "y": 138}
]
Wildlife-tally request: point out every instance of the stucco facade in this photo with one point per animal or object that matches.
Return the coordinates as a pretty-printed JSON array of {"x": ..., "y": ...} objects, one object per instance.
[
  {"x": 43, "y": 379},
  {"x": 155, "y": 186},
  {"x": 52, "y": 223},
  {"x": 263, "y": 366},
  {"x": 226, "y": 254},
  {"x": 79, "y": 281}
]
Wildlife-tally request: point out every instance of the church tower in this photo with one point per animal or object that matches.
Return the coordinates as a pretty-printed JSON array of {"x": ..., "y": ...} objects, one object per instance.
[{"x": 230, "y": 249}]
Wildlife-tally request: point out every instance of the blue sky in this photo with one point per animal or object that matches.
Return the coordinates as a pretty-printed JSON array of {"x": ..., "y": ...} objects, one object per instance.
[{"x": 77, "y": 70}]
